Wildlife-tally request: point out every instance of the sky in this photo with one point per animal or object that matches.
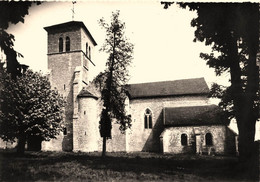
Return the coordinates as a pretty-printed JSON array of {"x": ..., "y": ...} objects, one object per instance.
[{"x": 162, "y": 38}]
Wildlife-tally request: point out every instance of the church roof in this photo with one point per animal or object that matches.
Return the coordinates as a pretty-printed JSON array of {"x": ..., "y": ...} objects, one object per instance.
[
  {"x": 194, "y": 116},
  {"x": 86, "y": 93},
  {"x": 195, "y": 86},
  {"x": 71, "y": 24}
]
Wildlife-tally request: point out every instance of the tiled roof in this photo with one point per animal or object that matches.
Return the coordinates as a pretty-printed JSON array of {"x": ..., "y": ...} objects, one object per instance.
[
  {"x": 71, "y": 24},
  {"x": 195, "y": 86},
  {"x": 194, "y": 115},
  {"x": 86, "y": 93}
]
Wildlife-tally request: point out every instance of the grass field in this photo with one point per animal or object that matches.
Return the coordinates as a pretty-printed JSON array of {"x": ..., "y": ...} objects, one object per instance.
[{"x": 62, "y": 166}]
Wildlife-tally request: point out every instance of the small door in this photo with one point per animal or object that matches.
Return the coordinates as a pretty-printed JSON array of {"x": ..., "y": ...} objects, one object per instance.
[{"x": 199, "y": 143}]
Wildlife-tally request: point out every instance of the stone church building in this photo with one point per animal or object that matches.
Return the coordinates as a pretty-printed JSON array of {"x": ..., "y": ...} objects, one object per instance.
[{"x": 169, "y": 116}]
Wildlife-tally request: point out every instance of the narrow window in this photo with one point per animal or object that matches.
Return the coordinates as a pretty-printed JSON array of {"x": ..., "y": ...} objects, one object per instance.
[
  {"x": 65, "y": 131},
  {"x": 67, "y": 44},
  {"x": 184, "y": 139},
  {"x": 145, "y": 122},
  {"x": 84, "y": 112},
  {"x": 87, "y": 49},
  {"x": 148, "y": 119},
  {"x": 89, "y": 52},
  {"x": 64, "y": 86},
  {"x": 60, "y": 44},
  {"x": 209, "y": 139}
]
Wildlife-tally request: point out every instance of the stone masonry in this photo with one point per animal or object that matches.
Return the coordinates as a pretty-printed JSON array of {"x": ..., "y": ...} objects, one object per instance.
[
  {"x": 69, "y": 71},
  {"x": 141, "y": 139},
  {"x": 172, "y": 139}
]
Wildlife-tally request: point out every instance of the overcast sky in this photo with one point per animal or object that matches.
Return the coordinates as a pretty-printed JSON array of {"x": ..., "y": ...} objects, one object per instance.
[{"x": 163, "y": 39}]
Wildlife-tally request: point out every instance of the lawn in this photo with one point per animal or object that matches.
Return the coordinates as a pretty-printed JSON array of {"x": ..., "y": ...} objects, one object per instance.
[{"x": 68, "y": 166}]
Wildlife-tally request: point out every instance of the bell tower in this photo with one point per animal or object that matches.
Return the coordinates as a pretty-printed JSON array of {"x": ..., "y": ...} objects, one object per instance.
[{"x": 70, "y": 47}]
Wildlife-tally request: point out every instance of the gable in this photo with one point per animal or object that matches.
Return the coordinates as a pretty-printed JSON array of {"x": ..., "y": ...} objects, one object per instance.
[{"x": 195, "y": 86}]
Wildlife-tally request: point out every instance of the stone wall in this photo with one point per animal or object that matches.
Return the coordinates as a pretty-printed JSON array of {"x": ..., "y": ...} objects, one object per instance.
[
  {"x": 86, "y": 39},
  {"x": 86, "y": 132},
  {"x": 73, "y": 33},
  {"x": 141, "y": 139},
  {"x": 7, "y": 145},
  {"x": 87, "y": 60},
  {"x": 171, "y": 139},
  {"x": 62, "y": 68},
  {"x": 53, "y": 144},
  {"x": 231, "y": 142},
  {"x": 62, "y": 77},
  {"x": 68, "y": 75},
  {"x": 117, "y": 143}
]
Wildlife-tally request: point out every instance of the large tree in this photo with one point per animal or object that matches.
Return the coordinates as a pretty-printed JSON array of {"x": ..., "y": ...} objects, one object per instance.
[
  {"x": 232, "y": 30},
  {"x": 115, "y": 77},
  {"x": 12, "y": 13},
  {"x": 29, "y": 109}
]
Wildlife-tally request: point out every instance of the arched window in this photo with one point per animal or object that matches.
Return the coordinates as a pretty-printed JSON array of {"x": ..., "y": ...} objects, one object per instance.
[
  {"x": 209, "y": 139},
  {"x": 184, "y": 139},
  {"x": 60, "y": 44},
  {"x": 148, "y": 119},
  {"x": 87, "y": 49},
  {"x": 89, "y": 52},
  {"x": 67, "y": 44}
]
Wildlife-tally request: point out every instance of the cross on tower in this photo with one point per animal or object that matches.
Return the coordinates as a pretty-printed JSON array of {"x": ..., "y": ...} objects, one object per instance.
[{"x": 73, "y": 12}]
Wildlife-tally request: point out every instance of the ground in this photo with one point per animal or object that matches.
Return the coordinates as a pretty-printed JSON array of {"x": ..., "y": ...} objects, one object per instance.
[{"x": 67, "y": 166}]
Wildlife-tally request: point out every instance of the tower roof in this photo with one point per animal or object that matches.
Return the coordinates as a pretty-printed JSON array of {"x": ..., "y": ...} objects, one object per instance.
[
  {"x": 71, "y": 24},
  {"x": 86, "y": 93}
]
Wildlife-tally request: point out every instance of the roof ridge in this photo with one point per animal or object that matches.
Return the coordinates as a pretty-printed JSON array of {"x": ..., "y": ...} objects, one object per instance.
[
  {"x": 167, "y": 81},
  {"x": 192, "y": 106}
]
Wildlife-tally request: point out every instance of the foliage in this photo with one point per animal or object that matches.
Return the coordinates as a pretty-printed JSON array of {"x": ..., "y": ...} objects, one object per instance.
[
  {"x": 99, "y": 80},
  {"x": 232, "y": 22},
  {"x": 11, "y": 12},
  {"x": 232, "y": 30},
  {"x": 226, "y": 103},
  {"x": 113, "y": 80},
  {"x": 29, "y": 107}
]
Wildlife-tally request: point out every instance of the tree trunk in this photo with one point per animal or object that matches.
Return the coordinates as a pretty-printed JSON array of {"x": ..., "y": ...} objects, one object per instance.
[
  {"x": 245, "y": 110},
  {"x": 247, "y": 151},
  {"x": 246, "y": 138},
  {"x": 104, "y": 146},
  {"x": 21, "y": 144},
  {"x": 108, "y": 100}
]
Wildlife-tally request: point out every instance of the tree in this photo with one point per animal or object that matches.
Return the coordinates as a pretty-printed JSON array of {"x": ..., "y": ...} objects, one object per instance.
[
  {"x": 115, "y": 76},
  {"x": 232, "y": 29},
  {"x": 12, "y": 12},
  {"x": 29, "y": 109}
]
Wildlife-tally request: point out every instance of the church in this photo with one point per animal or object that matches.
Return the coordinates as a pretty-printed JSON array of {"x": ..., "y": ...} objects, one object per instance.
[{"x": 168, "y": 117}]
